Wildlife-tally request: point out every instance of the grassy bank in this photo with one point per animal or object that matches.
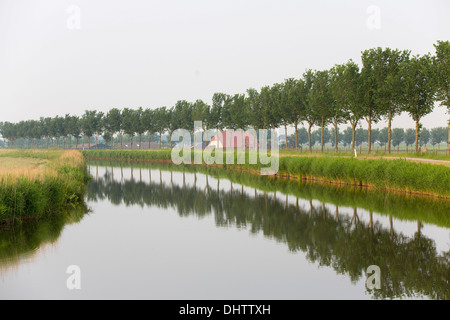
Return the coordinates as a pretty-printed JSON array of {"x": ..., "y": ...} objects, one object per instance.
[
  {"x": 34, "y": 184},
  {"x": 398, "y": 175}
]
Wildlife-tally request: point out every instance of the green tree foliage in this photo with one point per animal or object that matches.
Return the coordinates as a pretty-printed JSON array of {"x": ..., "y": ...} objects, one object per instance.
[
  {"x": 385, "y": 66},
  {"x": 113, "y": 124},
  {"x": 410, "y": 137},
  {"x": 419, "y": 89},
  {"x": 424, "y": 137},
  {"x": 442, "y": 73},
  {"x": 398, "y": 136}
]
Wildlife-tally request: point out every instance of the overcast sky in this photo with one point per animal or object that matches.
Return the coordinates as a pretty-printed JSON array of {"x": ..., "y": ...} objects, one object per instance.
[{"x": 59, "y": 57}]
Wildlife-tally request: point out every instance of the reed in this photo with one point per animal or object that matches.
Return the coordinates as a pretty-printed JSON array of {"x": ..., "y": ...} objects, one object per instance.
[{"x": 37, "y": 184}]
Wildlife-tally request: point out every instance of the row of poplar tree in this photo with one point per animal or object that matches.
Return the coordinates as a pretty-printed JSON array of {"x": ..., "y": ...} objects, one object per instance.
[
  {"x": 399, "y": 136},
  {"x": 389, "y": 82}
]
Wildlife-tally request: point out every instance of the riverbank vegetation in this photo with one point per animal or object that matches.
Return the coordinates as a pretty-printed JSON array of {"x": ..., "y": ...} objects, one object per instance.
[
  {"x": 35, "y": 184},
  {"x": 395, "y": 175},
  {"x": 386, "y": 83}
]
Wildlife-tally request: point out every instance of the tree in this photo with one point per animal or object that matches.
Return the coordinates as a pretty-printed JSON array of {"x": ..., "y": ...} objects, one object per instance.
[
  {"x": 218, "y": 101},
  {"x": 113, "y": 124},
  {"x": 385, "y": 66},
  {"x": 256, "y": 115},
  {"x": 73, "y": 127},
  {"x": 176, "y": 118},
  {"x": 88, "y": 125},
  {"x": 297, "y": 104},
  {"x": 139, "y": 125},
  {"x": 398, "y": 135},
  {"x": 424, "y": 137},
  {"x": 302, "y": 136},
  {"x": 161, "y": 118},
  {"x": 438, "y": 135},
  {"x": 201, "y": 111},
  {"x": 442, "y": 69},
  {"x": 310, "y": 114},
  {"x": 271, "y": 119},
  {"x": 371, "y": 109},
  {"x": 147, "y": 123},
  {"x": 98, "y": 126},
  {"x": 418, "y": 89},
  {"x": 353, "y": 111},
  {"x": 347, "y": 136},
  {"x": 130, "y": 118},
  {"x": 322, "y": 101},
  {"x": 410, "y": 137},
  {"x": 374, "y": 135},
  {"x": 338, "y": 90},
  {"x": 383, "y": 136},
  {"x": 361, "y": 136}
]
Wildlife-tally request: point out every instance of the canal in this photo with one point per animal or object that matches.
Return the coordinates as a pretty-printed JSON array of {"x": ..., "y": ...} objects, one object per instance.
[{"x": 156, "y": 231}]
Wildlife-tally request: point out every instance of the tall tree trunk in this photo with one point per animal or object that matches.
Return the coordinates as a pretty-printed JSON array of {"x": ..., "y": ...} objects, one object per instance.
[
  {"x": 296, "y": 136},
  {"x": 89, "y": 142},
  {"x": 140, "y": 140},
  {"x": 335, "y": 124},
  {"x": 160, "y": 135},
  {"x": 77, "y": 141},
  {"x": 131, "y": 142},
  {"x": 370, "y": 135},
  {"x": 96, "y": 142},
  {"x": 389, "y": 130},
  {"x": 353, "y": 136},
  {"x": 64, "y": 142},
  {"x": 417, "y": 136},
  {"x": 321, "y": 135},
  {"x": 309, "y": 137},
  {"x": 149, "y": 138},
  {"x": 448, "y": 143},
  {"x": 285, "y": 134}
]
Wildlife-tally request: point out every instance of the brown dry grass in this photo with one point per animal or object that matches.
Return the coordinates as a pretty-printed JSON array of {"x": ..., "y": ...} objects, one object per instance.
[
  {"x": 30, "y": 168},
  {"x": 36, "y": 167}
]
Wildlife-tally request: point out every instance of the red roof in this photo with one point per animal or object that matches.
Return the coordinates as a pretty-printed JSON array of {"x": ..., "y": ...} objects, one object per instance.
[{"x": 228, "y": 137}]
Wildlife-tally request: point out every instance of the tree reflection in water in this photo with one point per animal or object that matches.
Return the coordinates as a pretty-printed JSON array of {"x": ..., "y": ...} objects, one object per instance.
[{"x": 410, "y": 266}]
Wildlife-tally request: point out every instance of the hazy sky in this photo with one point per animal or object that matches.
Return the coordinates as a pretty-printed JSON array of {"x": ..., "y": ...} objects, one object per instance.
[{"x": 59, "y": 57}]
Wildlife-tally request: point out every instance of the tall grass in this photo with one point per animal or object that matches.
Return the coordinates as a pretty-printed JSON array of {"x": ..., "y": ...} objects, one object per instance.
[
  {"x": 378, "y": 173},
  {"x": 38, "y": 192}
]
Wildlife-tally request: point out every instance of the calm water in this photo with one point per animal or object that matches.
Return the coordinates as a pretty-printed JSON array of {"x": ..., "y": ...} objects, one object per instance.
[{"x": 152, "y": 233}]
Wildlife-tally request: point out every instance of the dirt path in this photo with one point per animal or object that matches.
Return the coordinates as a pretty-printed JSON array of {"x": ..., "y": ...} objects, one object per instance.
[
  {"x": 365, "y": 157},
  {"x": 432, "y": 161}
]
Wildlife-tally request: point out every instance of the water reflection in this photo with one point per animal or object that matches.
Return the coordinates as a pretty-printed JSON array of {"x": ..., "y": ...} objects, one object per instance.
[
  {"x": 411, "y": 265},
  {"x": 20, "y": 241}
]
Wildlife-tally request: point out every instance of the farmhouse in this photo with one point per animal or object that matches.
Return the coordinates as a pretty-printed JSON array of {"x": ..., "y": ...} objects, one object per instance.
[{"x": 234, "y": 139}]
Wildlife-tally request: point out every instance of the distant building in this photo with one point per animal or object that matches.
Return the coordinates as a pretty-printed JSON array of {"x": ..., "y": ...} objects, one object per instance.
[
  {"x": 137, "y": 146},
  {"x": 93, "y": 146},
  {"x": 234, "y": 139}
]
